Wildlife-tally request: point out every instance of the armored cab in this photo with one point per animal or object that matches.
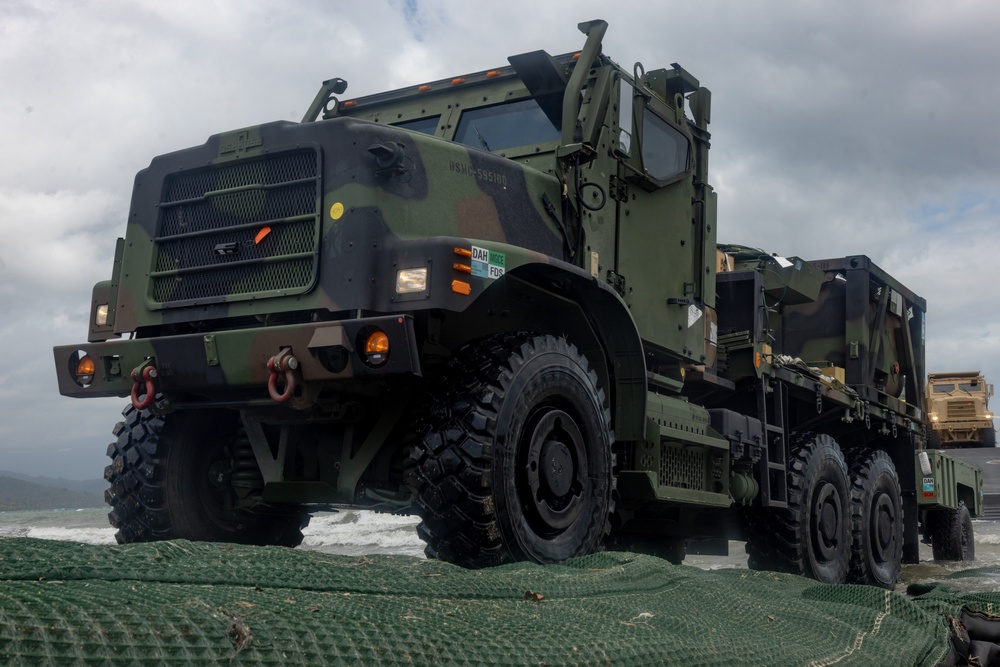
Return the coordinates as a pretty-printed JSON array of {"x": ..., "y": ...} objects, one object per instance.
[{"x": 958, "y": 410}]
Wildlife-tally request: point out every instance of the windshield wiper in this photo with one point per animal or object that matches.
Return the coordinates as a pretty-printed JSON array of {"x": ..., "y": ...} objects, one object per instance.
[{"x": 481, "y": 139}]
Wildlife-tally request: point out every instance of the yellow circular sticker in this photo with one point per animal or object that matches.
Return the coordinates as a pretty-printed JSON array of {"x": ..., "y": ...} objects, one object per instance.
[{"x": 336, "y": 211}]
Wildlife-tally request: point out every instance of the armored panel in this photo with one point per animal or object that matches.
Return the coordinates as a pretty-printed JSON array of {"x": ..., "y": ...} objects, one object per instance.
[{"x": 865, "y": 322}]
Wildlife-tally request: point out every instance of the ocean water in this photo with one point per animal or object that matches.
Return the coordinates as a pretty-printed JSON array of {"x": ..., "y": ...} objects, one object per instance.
[
  {"x": 355, "y": 533},
  {"x": 349, "y": 533}
]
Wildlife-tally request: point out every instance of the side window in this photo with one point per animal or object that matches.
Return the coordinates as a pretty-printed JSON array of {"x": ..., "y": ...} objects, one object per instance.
[
  {"x": 665, "y": 151},
  {"x": 625, "y": 95}
]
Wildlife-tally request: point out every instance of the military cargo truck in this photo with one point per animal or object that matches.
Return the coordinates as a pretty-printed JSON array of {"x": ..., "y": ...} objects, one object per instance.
[
  {"x": 958, "y": 408},
  {"x": 497, "y": 301}
]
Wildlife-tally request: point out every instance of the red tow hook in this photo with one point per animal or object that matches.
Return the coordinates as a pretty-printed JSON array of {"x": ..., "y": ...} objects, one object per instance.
[
  {"x": 148, "y": 375},
  {"x": 282, "y": 363}
]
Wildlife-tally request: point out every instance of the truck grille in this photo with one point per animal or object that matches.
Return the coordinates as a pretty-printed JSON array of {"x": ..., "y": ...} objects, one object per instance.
[
  {"x": 961, "y": 410},
  {"x": 239, "y": 230}
]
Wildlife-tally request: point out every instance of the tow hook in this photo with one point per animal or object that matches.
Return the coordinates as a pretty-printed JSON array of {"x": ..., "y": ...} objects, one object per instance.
[
  {"x": 285, "y": 364},
  {"x": 144, "y": 374}
]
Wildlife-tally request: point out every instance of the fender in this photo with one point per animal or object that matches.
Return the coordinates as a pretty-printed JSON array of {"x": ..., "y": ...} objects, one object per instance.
[{"x": 562, "y": 299}]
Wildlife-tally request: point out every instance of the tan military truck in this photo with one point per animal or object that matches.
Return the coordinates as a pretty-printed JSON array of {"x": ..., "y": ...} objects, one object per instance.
[{"x": 958, "y": 408}]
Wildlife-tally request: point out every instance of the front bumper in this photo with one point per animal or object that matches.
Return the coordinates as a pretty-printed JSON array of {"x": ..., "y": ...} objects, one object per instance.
[{"x": 222, "y": 365}]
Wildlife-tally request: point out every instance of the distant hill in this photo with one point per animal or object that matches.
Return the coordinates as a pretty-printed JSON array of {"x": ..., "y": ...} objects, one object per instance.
[
  {"x": 88, "y": 486},
  {"x": 18, "y": 494}
]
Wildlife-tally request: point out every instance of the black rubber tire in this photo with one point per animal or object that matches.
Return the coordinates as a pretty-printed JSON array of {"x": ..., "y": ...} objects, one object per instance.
[
  {"x": 877, "y": 521},
  {"x": 933, "y": 439},
  {"x": 170, "y": 476},
  {"x": 517, "y": 462},
  {"x": 812, "y": 536},
  {"x": 987, "y": 437},
  {"x": 952, "y": 537}
]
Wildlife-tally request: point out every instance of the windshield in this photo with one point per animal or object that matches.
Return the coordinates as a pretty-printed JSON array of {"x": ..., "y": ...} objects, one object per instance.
[
  {"x": 422, "y": 125},
  {"x": 970, "y": 387},
  {"x": 521, "y": 123}
]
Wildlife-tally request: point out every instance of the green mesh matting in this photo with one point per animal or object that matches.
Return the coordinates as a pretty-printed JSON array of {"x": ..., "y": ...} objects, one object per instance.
[{"x": 183, "y": 602}]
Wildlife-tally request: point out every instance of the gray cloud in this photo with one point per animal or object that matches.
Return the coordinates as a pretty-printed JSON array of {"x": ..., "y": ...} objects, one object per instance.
[{"x": 838, "y": 128}]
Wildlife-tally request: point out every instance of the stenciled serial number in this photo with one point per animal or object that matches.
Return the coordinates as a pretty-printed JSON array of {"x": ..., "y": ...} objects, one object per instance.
[
  {"x": 238, "y": 142},
  {"x": 485, "y": 175}
]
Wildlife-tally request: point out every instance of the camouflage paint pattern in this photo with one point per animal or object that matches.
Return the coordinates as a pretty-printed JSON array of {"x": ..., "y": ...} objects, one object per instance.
[{"x": 290, "y": 237}]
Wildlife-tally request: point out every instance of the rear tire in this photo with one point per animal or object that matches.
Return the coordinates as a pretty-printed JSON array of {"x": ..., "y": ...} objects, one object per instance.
[
  {"x": 812, "y": 536},
  {"x": 877, "y": 521},
  {"x": 171, "y": 478},
  {"x": 517, "y": 462},
  {"x": 952, "y": 536}
]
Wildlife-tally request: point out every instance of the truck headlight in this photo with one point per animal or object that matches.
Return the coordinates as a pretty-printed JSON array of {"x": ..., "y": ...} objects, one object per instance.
[
  {"x": 409, "y": 281},
  {"x": 101, "y": 317}
]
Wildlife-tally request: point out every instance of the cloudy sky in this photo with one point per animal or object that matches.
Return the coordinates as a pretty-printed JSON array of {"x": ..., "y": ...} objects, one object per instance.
[{"x": 839, "y": 127}]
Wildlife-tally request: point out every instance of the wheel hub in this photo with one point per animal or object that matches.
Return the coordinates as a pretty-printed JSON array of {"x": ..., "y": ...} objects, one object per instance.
[
  {"x": 882, "y": 527},
  {"x": 218, "y": 475},
  {"x": 826, "y": 517},
  {"x": 555, "y": 467}
]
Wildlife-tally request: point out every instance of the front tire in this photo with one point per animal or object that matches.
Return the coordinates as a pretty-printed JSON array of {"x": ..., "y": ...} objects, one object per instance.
[
  {"x": 877, "y": 521},
  {"x": 517, "y": 462},
  {"x": 171, "y": 477}
]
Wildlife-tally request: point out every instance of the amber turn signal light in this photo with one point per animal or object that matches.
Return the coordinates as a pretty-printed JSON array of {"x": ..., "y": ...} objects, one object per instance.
[
  {"x": 85, "y": 367},
  {"x": 377, "y": 343},
  {"x": 376, "y": 348},
  {"x": 82, "y": 367}
]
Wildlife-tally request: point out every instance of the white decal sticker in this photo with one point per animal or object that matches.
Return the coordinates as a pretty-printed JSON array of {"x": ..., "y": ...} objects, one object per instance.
[
  {"x": 694, "y": 314},
  {"x": 488, "y": 263}
]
